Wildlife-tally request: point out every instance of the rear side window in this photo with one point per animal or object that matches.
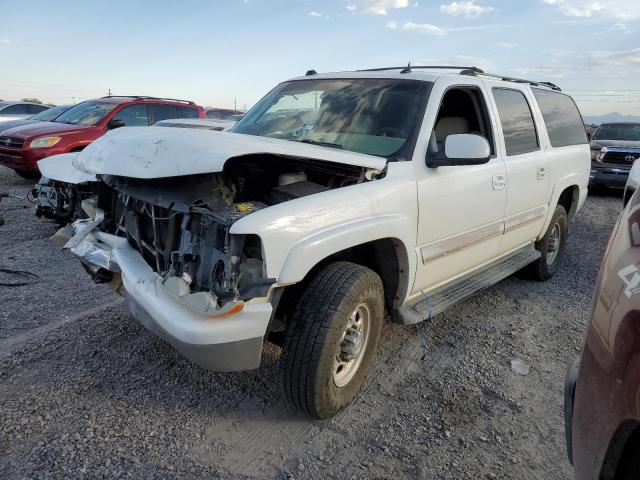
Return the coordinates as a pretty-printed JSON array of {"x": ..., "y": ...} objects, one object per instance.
[
  {"x": 162, "y": 112},
  {"x": 133, "y": 115},
  {"x": 188, "y": 112},
  {"x": 17, "y": 109},
  {"x": 516, "y": 118},
  {"x": 37, "y": 108},
  {"x": 561, "y": 115}
]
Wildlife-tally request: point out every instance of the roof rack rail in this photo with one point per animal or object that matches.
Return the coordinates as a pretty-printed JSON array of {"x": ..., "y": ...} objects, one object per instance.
[
  {"x": 471, "y": 71},
  {"x": 146, "y": 97},
  {"x": 410, "y": 67}
]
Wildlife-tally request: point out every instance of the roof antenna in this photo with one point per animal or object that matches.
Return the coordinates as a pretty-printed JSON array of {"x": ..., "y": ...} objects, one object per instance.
[
  {"x": 310, "y": 72},
  {"x": 407, "y": 69}
]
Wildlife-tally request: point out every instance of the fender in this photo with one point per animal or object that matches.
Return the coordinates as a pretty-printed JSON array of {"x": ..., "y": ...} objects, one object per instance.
[
  {"x": 308, "y": 252},
  {"x": 60, "y": 168},
  {"x": 571, "y": 180}
]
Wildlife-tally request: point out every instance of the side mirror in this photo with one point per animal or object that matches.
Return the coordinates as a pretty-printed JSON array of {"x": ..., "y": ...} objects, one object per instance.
[
  {"x": 115, "y": 123},
  {"x": 462, "y": 149}
]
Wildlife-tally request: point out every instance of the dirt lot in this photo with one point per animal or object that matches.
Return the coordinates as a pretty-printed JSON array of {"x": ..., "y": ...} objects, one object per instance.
[{"x": 86, "y": 392}]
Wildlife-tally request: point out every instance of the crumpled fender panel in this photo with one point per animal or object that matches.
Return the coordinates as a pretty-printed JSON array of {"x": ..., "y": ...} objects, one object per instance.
[
  {"x": 156, "y": 152},
  {"x": 60, "y": 168}
]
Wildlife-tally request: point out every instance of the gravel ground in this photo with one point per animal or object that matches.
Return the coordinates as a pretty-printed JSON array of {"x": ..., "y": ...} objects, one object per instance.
[{"x": 85, "y": 392}]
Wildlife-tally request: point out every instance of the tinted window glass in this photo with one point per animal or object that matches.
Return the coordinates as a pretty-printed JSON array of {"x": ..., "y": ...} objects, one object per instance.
[
  {"x": 133, "y": 116},
  {"x": 163, "y": 112},
  {"x": 37, "y": 108},
  {"x": 618, "y": 131},
  {"x": 188, "y": 112},
  {"x": 517, "y": 121},
  {"x": 18, "y": 109},
  {"x": 562, "y": 118}
]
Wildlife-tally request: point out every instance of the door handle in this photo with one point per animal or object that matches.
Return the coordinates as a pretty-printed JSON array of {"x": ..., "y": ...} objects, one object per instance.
[
  {"x": 499, "y": 181},
  {"x": 541, "y": 173}
]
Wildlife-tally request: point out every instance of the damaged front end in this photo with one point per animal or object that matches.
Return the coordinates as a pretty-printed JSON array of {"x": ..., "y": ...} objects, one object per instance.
[
  {"x": 181, "y": 229},
  {"x": 165, "y": 245}
]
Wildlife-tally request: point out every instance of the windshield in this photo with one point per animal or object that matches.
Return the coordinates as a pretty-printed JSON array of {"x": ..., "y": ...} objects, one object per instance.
[
  {"x": 618, "y": 131},
  {"x": 50, "y": 114},
  {"x": 373, "y": 116},
  {"x": 86, "y": 113}
]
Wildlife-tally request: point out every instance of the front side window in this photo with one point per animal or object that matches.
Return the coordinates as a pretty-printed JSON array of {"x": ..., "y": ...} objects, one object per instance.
[
  {"x": 163, "y": 112},
  {"x": 188, "y": 112},
  {"x": 86, "y": 113},
  {"x": 17, "y": 109},
  {"x": 562, "y": 118},
  {"x": 618, "y": 131},
  {"x": 516, "y": 118},
  {"x": 37, "y": 108},
  {"x": 373, "y": 116},
  {"x": 133, "y": 115}
]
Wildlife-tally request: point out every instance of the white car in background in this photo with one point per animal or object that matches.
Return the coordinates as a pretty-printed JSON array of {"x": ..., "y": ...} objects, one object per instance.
[
  {"x": 633, "y": 182},
  {"x": 19, "y": 110}
]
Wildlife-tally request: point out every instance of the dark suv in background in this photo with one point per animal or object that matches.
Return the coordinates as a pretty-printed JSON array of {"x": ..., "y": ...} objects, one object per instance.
[
  {"x": 22, "y": 147},
  {"x": 614, "y": 148}
]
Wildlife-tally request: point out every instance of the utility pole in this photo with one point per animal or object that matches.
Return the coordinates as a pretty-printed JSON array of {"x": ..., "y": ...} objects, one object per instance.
[
  {"x": 235, "y": 103},
  {"x": 109, "y": 92}
]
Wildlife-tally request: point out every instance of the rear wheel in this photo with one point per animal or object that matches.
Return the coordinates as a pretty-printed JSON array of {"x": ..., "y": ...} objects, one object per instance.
[
  {"x": 551, "y": 247},
  {"x": 331, "y": 339}
]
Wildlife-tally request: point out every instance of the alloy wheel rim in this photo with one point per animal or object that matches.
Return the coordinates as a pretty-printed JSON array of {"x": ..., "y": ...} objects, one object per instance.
[
  {"x": 553, "y": 246},
  {"x": 353, "y": 345}
]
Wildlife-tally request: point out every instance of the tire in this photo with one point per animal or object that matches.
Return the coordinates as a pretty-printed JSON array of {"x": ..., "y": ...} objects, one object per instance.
[
  {"x": 28, "y": 174},
  {"x": 316, "y": 341},
  {"x": 546, "y": 266}
]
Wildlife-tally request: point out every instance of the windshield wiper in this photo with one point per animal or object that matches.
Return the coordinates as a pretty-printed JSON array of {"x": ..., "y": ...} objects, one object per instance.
[{"x": 322, "y": 144}]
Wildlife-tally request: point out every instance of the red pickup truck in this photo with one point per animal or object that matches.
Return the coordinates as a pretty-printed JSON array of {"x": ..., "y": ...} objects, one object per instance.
[{"x": 22, "y": 147}]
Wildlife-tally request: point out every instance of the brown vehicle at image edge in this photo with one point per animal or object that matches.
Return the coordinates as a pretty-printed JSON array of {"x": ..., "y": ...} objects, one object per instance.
[{"x": 602, "y": 390}]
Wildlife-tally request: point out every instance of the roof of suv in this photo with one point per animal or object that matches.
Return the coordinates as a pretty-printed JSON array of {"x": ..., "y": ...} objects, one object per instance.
[
  {"x": 425, "y": 73},
  {"x": 138, "y": 98}
]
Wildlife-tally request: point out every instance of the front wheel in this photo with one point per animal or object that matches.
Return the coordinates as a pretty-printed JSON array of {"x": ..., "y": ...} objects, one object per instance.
[
  {"x": 331, "y": 339},
  {"x": 551, "y": 246}
]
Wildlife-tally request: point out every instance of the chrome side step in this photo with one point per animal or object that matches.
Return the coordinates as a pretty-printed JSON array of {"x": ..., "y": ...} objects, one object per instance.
[{"x": 444, "y": 296}]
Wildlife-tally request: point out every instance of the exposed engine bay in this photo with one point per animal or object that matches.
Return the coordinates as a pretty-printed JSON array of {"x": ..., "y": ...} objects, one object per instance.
[{"x": 181, "y": 224}]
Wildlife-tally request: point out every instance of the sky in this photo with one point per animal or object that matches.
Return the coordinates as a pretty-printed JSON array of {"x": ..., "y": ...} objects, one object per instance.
[{"x": 231, "y": 52}]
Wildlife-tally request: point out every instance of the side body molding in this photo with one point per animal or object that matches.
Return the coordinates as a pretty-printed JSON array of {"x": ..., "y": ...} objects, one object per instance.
[{"x": 305, "y": 254}]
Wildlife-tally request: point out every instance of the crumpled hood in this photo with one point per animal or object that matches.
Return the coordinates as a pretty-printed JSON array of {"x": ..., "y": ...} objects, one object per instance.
[{"x": 157, "y": 152}]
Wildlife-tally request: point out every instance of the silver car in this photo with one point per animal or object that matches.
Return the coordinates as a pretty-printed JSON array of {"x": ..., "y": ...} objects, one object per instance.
[{"x": 19, "y": 110}]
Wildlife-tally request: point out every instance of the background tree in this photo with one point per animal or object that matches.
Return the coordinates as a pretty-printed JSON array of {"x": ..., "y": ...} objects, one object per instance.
[{"x": 32, "y": 100}]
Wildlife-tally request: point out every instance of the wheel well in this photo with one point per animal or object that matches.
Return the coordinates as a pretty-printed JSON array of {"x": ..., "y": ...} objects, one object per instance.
[
  {"x": 569, "y": 199},
  {"x": 622, "y": 460},
  {"x": 387, "y": 257}
]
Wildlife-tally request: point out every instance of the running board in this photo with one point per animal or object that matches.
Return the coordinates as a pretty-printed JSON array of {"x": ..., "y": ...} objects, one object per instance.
[{"x": 444, "y": 296}]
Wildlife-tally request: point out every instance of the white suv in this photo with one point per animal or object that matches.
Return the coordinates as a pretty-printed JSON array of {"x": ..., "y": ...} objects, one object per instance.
[{"x": 337, "y": 198}]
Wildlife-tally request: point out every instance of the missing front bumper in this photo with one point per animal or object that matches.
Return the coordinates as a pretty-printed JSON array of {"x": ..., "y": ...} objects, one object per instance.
[{"x": 227, "y": 338}]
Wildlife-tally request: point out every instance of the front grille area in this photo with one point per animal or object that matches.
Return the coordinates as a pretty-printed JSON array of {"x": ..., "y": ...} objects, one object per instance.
[
  {"x": 11, "y": 142},
  {"x": 620, "y": 158},
  {"x": 152, "y": 230}
]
